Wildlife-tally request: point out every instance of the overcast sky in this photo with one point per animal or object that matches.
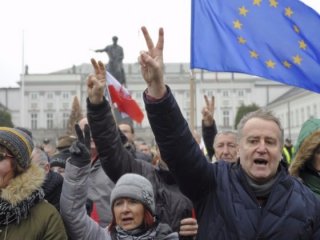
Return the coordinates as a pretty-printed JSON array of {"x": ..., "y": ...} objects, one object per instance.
[{"x": 60, "y": 33}]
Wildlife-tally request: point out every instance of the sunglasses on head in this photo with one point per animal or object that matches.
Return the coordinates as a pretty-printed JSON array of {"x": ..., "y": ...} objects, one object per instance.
[{"x": 4, "y": 155}]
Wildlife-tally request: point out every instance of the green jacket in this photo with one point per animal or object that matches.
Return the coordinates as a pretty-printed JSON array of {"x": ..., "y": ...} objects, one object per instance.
[{"x": 43, "y": 221}]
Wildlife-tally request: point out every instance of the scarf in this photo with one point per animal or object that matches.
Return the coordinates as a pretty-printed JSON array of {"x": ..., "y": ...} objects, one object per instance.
[
  {"x": 14, "y": 214},
  {"x": 311, "y": 178},
  {"x": 262, "y": 190},
  {"x": 136, "y": 234},
  {"x": 159, "y": 232}
]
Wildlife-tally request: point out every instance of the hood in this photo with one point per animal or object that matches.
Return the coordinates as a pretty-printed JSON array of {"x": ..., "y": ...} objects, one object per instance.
[
  {"x": 23, "y": 185},
  {"x": 304, "y": 153},
  {"x": 308, "y": 127}
]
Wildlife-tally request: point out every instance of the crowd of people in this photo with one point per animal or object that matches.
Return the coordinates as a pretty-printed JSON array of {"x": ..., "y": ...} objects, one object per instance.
[{"x": 102, "y": 184}]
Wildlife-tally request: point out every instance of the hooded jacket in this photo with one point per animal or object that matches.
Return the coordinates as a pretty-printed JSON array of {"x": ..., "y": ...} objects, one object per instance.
[
  {"x": 38, "y": 218},
  {"x": 302, "y": 167},
  {"x": 225, "y": 204}
]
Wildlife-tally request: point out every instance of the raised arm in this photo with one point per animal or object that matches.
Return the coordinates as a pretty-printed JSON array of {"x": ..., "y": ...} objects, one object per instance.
[
  {"x": 176, "y": 144},
  {"x": 114, "y": 157},
  {"x": 209, "y": 128}
]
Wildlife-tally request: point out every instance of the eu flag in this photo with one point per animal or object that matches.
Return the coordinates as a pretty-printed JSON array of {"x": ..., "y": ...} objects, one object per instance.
[{"x": 274, "y": 39}]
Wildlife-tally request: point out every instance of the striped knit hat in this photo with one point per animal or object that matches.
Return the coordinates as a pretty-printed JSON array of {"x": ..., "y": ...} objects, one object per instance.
[{"x": 18, "y": 143}]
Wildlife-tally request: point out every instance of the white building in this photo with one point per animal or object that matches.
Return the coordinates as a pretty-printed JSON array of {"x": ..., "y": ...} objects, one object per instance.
[
  {"x": 294, "y": 108},
  {"x": 47, "y": 99}
]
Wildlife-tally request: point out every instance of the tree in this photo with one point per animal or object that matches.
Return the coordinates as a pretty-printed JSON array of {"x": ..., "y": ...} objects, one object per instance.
[
  {"x": 5, "y": 119},
  {"x": 75, "y": 116},
  {"x": 243, "y": 110}
]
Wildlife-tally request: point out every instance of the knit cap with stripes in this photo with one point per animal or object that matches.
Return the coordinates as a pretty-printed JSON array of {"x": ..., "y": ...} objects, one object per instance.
[{"x": 18, "y": 143}]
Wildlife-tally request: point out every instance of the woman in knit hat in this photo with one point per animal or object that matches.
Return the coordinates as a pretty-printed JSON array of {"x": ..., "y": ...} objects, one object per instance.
[
  {"x": 24, "y": 214},
  {"x": 132, "y": 202}
]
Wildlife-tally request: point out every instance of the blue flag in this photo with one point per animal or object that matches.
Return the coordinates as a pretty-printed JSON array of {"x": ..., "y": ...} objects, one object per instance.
[{"x": 274, "y": 39}]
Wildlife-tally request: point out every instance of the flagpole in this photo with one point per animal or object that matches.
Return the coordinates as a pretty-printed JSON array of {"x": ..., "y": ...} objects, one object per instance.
[
  {"x": 22, "y": 117},
  {"x": 192, "y": 100}
]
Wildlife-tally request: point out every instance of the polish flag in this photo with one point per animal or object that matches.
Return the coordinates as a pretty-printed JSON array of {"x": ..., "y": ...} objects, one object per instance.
[{"x": 123, "y": 100}]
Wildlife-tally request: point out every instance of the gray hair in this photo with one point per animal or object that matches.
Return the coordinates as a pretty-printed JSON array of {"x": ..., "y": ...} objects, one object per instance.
[
  {"x": 227, "y": 132},
  {"x": 261, "y": 114},
  {"x": 40, "y": 157}
]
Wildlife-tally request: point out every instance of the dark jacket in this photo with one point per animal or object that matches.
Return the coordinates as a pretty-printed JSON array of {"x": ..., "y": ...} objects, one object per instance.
[
  {"x": 225, "y": 205},
  {"x": 208, "y": 135},
  {"x": 52, "y": 187},
  {"x": 171, "y": 204}
]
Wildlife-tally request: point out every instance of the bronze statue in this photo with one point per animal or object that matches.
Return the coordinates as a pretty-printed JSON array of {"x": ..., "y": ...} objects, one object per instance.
[{"x": 115, "y": 66}]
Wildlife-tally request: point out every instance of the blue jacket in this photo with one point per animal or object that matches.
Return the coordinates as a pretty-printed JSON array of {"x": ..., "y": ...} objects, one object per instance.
[{"x": 226, "y": 208}]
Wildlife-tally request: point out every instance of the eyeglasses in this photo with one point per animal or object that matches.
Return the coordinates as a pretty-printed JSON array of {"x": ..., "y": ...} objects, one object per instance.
[{"x": 5, "y": 155}]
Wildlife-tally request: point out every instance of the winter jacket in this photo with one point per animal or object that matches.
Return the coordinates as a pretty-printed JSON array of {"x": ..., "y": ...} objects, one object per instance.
[
  {"x": 225, "y": 204},
  {"x": 52, "y": 188},
  {"x": 208, "y": 135},
  {"x": 99, "y": 193},
  {"x": 302, "y": 166},
  {"x": 308, "y": 127},
  {"x": 171, "y": 205},
  {"x": 42, "y": 221},
  {"x": 73, "y": 199}
]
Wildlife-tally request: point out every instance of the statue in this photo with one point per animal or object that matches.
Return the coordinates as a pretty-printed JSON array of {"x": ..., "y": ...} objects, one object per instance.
[{"x": 115, "y": 66}]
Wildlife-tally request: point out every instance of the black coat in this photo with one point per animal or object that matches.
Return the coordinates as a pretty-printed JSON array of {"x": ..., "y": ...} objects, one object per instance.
[
  {"x": 171, "y": 204},
  {"x": 226, "y": 207}
]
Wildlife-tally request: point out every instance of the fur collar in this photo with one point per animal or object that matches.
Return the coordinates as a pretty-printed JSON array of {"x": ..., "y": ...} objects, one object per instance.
[
  {"x": 23, "y": 185},
  {"x": 304, "y": 153}
]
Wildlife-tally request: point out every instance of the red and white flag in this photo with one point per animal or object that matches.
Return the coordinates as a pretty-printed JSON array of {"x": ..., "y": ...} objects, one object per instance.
[{"x": 123, "y": 100}]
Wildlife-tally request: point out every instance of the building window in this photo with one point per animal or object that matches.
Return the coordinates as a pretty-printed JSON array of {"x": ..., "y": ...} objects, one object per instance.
[
  {"x": 308, "y": 112},
  {"x": 65, "y": 118},
  {"x": 315, "y": 113},
  {"x": 297, "y": 117},
  {"x": 34, "y": 96},
  {"x": 302, "y": 115},
  {"x": 49, "y": 120},
  {"x": 65, "y": 95},
  {"x": 225, "y": 93},
  {"x": 50, "y": 95},
  {"x": 34, "y": 121},
  {"x": 240, "y": 93},
  {"x": 226, "y": 119}
]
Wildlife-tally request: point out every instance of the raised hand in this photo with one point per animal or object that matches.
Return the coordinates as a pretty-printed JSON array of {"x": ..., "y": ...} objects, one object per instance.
[
  {"x": 80, "y": 153},
  {"x": 96, "y": 83},
  {"x": 151, "y": 63},
  {"x": 208, "y": 111}
]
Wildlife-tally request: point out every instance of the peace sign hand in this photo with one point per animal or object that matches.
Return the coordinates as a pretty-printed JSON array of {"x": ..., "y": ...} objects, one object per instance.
[{"x": 208, "y": 111}]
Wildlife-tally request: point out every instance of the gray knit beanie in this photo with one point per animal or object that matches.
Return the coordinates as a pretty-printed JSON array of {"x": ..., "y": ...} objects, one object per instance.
[
  {"x": 134, "y": 186},
  {"x": 18, "y": 143}
]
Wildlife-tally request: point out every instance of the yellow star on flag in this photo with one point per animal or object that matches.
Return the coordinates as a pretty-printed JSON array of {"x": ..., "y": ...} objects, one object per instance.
[
  {"x": 297, "y": 59},
  {"x": 270, "y": 64},
  {"x": 237, "y": 24},
  {"x": 273, "y": 3},
  {"x": 254, "y": 54},
  {"x": 296, "y": 29},
  {"x": 287, "y": 64},
  {"x": 241, "y": 40},
  {"x": 288, "y": 12},
  {"x": 257, "y": 2},
  {"x": 302, "y": 45},
  {"x": 243, "y": 11}
]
